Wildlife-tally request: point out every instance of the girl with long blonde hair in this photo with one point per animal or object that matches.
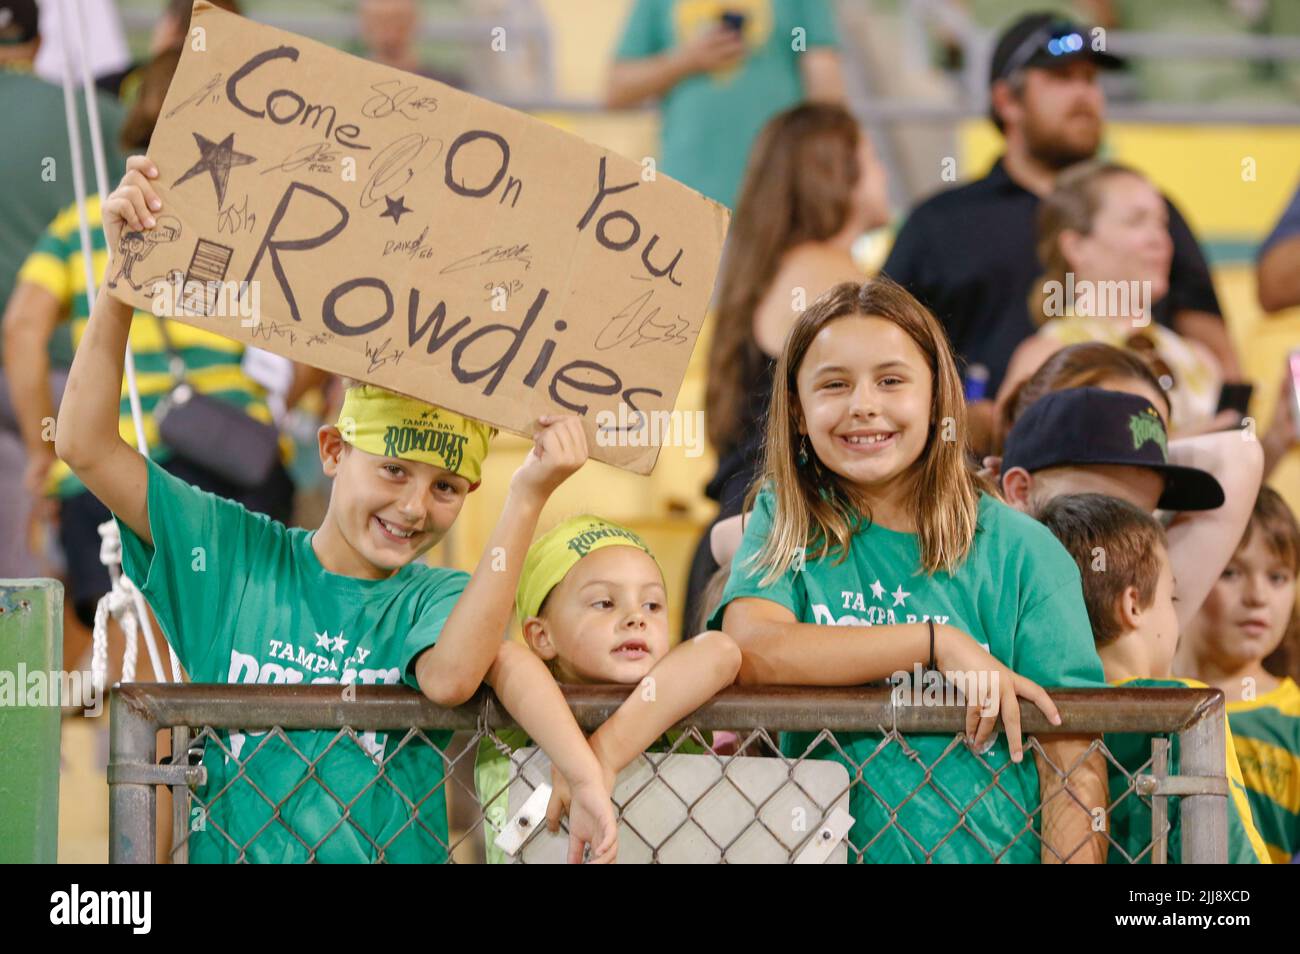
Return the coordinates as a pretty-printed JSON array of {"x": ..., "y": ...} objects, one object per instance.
[
  {"x": 812, "y": 187},
  {"x": 873, "y": 546}
]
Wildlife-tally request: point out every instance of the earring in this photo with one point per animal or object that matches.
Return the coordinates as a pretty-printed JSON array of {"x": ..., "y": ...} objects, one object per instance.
[{"x": 803, "y": 451}]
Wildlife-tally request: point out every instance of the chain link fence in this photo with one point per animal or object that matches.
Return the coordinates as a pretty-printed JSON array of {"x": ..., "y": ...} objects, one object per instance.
[{"x": 329, "y": 773}]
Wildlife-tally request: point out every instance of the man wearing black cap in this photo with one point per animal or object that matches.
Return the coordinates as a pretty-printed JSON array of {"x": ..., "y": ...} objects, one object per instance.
[
  {"x": 1090, "y": 440},
  {"x": 969, "y": 253}
]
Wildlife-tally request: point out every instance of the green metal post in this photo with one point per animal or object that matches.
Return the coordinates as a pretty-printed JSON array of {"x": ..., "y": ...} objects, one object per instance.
[{"x": 31, "y": 664}]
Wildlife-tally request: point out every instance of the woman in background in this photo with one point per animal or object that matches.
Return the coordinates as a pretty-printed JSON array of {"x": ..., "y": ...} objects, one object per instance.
[
  {"x": 812, "y": 187},
  {"x": 1103, "y": 234}
]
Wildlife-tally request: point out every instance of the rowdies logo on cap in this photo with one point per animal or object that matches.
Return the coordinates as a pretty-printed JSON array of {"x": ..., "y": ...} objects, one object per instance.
[
  {"x": 581, "y": 543},
  {"x": 421, "y": 435},
  {"x": 1147, "y": 426}
]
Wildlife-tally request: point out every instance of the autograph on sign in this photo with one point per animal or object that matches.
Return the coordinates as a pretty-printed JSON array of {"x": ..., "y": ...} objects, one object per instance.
[{"x": 408, "y": 234}]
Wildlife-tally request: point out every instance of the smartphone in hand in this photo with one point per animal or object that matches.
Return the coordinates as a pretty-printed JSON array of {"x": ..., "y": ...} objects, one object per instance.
[{"x": 1235, "y": 397}]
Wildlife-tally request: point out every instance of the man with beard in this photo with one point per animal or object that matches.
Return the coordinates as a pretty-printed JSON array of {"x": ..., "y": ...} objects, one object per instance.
[{"x": 970, "y": 253}]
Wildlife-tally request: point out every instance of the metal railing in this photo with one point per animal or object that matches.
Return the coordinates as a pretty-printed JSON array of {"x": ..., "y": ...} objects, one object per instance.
[{"x": 1192, "y": 719}]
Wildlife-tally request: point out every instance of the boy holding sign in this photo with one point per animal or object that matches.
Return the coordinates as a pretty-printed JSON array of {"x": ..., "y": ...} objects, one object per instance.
[{"x": 243, "y": 598}]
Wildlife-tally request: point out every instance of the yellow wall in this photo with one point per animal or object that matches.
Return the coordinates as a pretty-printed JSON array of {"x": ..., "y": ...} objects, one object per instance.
[
  {"x": 1204, "y": 169},
  {"x": 1263, "y": 342},
  {"x": 583, "y": 36}
]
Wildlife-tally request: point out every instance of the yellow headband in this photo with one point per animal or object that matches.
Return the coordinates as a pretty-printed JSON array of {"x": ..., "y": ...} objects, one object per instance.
[
  {"x": 554, "y": 554},
  {"x": 392, "y": 425}
]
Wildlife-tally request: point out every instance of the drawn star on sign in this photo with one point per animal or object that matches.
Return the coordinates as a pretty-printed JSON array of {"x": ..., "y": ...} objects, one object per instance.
[
  {"x": 396, "y": 209},
  {"x": 216, "y": 159}
]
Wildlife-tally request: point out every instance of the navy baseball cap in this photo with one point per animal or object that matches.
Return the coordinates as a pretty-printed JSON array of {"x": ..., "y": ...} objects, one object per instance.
[
  {"x": 1082, "y": 426},
  {"x": 1047, "y": 41},
  {"x": 19, "y": 21}
]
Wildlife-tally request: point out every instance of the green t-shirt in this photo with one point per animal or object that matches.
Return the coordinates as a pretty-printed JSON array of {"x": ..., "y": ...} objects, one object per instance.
[
  {"x": 1018, "y": 594},
  {"x": 1130, "y": 813},
  {"x": 36, "y": 165},
  {"x": 710, "y": 119},
  {"x": 244, "y": 599}
]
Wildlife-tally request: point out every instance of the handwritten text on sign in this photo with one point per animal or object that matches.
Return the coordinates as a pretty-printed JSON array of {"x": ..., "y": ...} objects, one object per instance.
[{"x": 405, "y": 233}]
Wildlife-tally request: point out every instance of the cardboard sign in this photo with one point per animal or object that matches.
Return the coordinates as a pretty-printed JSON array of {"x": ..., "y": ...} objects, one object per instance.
[{"x": 390, "y": 228}]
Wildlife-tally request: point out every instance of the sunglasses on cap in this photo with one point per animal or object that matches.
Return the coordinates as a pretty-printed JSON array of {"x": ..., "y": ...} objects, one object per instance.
[{"x": 1059, "y": 38}]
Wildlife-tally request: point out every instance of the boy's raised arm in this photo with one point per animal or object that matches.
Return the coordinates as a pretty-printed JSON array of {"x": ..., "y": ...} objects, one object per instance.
[
  {"x": 86, "y": 435},
  {"x": 451, "y": 670},
  {"x": 1201, "y": 542}
]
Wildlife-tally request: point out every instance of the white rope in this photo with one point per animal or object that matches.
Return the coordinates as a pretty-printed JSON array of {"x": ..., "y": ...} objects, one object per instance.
[
  {"x": 92, "y": 104},
  {"x": 99, "y": 641},
  {"x": 142, "y": 614},
  {"x": 124, "y": 601},
  {"x": 79, "y": 187},
  {"x": 131, "y": 603},
  {"x": 131, "y": 632},
  {"x": 78, "y": 180},
  {"x": 125, "y": 604}
]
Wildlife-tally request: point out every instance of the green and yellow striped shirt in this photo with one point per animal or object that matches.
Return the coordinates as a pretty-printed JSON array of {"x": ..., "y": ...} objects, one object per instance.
[
  {"x": 1267, "y": 734},
  {"x": 213, "y": 365},
  {"x": 1130, "y": 813}
]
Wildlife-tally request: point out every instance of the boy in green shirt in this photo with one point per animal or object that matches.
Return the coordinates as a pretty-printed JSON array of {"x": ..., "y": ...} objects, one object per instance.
[
  {"x": 244, "y": 599},
  {"x": 1128, "y": 586}
]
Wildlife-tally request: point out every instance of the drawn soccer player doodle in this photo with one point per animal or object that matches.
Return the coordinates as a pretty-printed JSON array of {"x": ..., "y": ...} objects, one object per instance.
[{"x": 134, "y": 246}]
